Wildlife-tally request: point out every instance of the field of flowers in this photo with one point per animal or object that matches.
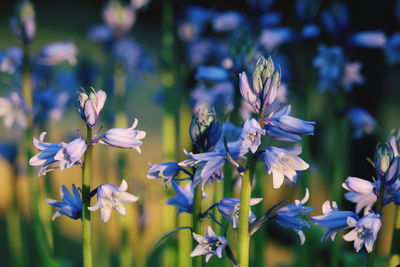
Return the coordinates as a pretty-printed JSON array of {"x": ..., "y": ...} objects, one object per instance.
[{"x": 199, "y": 133}]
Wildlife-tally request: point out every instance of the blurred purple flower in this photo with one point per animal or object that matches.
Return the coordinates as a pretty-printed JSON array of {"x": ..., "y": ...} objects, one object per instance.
[
  {"x": 120, "y": 18},
  {"x": 352, "y": 75},
  {"x": 22, "y": 23},
  {"x": 227, "y": 21},
  {"x": 392, "y": 49},
  {"x": 211, "y": 74},
  {"x": 220, "y": 97},
  {"x": 13, "y": 111},
  {"x": 11, "y": 60},
  {"x": 101, "y": 33},
  {"x": 274, "y": 37},
  {"x": 362, "y": 121},
  {"x": 368, "y": 39},
  {"x": 57, "y": 52},
  {"x": 336, "y": 18}
]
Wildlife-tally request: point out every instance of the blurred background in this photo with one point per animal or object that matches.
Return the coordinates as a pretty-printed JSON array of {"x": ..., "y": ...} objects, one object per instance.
[{"x": 162, "y": 75}]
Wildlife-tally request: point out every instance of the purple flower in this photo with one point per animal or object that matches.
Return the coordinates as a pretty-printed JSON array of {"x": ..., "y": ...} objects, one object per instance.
[
  {"x": 119, "y": 17},
  {"x": 336, "y": 18},
  {"x": 274, "y": 37},
  {"x": 282, "y": 162},
  {"x": 110, "y": 196},
  {"x": 394, "y": 142},
  {"x": 227, "y": 21},
  {"x": 368, "y": 39},
  {"x": 365, "y": 231},
  {"x": 251, "y": 135},
  {"x": 124, "y": 138},
  {"x": 352, "y": 75},
  {"x": 71, "y": 153},
  {"x": 291, "y": 216},
  {"x": 362, "y": 193},
  {"x": 71, "y": 205},
  {"x": 167, "y": 171},
  {"x": 13, "y": 111},
  {"x": 333, "y": 219},
  {"x": 184, "y": 197},
  {"x": 89, "y": 106},
  {"x": 57, "y": 52},
  {"x": 211, "y": 74},
  {"x": 11, "y": 60},
  {"x": 211, "y": 244},
  {"x": 362, "y": 121},
  {"x": 22, "y": 23},
  {"x": 220, "y": 97},
  {"x": 392, "y": 49},
  {"x": 229, "y": 209}
]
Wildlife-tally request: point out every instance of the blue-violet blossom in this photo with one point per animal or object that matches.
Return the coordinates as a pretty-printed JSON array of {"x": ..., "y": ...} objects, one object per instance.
[
  {"x": 211, "y": 244},
  {"x": 71, "y": 205}
]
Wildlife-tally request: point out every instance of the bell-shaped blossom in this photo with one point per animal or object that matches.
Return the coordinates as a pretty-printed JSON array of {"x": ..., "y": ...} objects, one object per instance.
[
  {"x": 58, "y": 52},
  {"x": 284, "y": 163},
  {"x": 11, "y": 60},
  {"x": 49, "y": 104},
  {"x": 274, "y": 37},
  {"x": 368, "y": 39},
  {"x": 70, "y": 205},
  {"x": 101, "y": 33},
  {"x": 333, "y": 219},
  {"x": 283, "y": 127},
  {"x": 209, "y": 245},
  {"x": 71, "y": 153},
  {"x": 129, "y": 53},
  {"x": 352, "y": 75},
  {"x": 110, "y": 196},
  {"x": 13, "y": 111},
  {"x": 89, "y": 106},
  {"x": 227, "y": 21},
  {"x": 387, "y": 165},
  {"x": 291, "y": 216},
  {"x": 167, "y": 171},
  {"x": 124, "y": 138},
  {"x": 251, "y": 135},
  {"x": 119, "y": 17},
  {"x": 336, "y": 18},
  {"x": 229, "y": 209},
  {"x": 211, "y": 74},
  {"x": 362, "y": 192},
  {"x": 365, "y": 231},
  {"x": 394, "y": 142},
  {"x": 362, "y": 122},
  {"x": 392, "y": 49},
  {"x": 184, "y": 197},
  {"x": 22, "y": 23},
  {"x": 310, "y": 31}
]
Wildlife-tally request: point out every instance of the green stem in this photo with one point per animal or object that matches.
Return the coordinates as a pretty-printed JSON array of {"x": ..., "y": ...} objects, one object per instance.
[
  {"x": 395, "y": 248},
  {"x": 197, "y": 207},
  {"x": 243, "y": 231},
  {"x": 260, "y": 237},
  {"x": 86, "y": 228}
]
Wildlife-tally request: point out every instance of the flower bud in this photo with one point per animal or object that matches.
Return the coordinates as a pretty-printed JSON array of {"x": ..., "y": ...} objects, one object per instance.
[
  {"x": 119, "y": 17},
  {"x": 22, "y": 23},
  {"x": 90, "y": 105},
  {"x": 383, "y": 158}
]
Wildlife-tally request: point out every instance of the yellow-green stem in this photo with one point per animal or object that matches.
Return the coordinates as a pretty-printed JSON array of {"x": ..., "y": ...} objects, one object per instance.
[
  {"x": 395, "y": 248},
  {"x": 86, "y": 228},
  {"x": 197, "y": 208},
  {"x": 243, "y": 231}
]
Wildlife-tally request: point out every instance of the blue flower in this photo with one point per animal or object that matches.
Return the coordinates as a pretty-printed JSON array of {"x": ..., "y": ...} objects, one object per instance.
[
  {"x": 220, "y": 97},
  {"x": 362, "y": 121},
  {"x": 22, "y": 23},
  {"x": 336, "y": 18},
  {"x": 282, "y": 162},
  {"x": 57, "y": 52},
  {"x": 11, "y": 60},
  {"x": 211, "y": 74},
  {"x": 71, "y": 153},
  {"x": 310, "y": 31},
  {"x": 49, "y": 104},
  {"x": 71, "y": 205},
  {"x": 273, "y": 37},
  {"x": 211, "y": 244},
  {"x": 124, "y": 138},
  {"x": 227, "y": 21},
  {"x": 365, "y": 231},
  {"x": 184, "y": 197},
  {"x": 229, "y": 209},
  {"x": 89, "y": 106},
  {"x": 394, "y": 142},
  {"x": 290, "y": 216},
  {"x": 167, "y": 170},
  {"x": 362, "y": 192},
  {"x": 9, "y": 152},
  {"x": 306, "y": 10},
  {"x": 251, "y": 135},
  {"x": 368, "y": 39},
  {"x": 392, "y": 49},
  {"x": 110, "y": 196},
  {"x": 101, "y": 33},
  {"x": 333, "y": 219},
  {"x": 12, "y": 109},
  {"x": 387, "y": 165}
]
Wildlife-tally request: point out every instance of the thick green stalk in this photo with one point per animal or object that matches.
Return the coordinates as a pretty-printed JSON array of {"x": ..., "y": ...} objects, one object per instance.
[
  {"x": 245, "y": 195},
  {"x": 259, "y": 238},
  {"x": 197, "y": 208},
  {"x": 395, "y": 248},
  {"x": 86, "y": 228}
]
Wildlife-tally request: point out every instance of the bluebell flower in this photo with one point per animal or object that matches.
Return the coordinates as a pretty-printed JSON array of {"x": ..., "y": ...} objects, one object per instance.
[
  {"x": 131, "y": 55},
  {"x": 11, "y": 60},
  {"x": 89, "y": 106},
  {"x": 13, "y": 111},
  {"x": 22, "y": 23},
  {"x": 227, "y": 21},
  {"x": 394, "y": 142},
  {"x": 211, "y": 74},
  {"x": 209, "y": 245},
  {"x": 138, "y": 4},
  {"x": 362, "y": 192},
  {"x": 56, "y": 53},
  {"x": 291, "y": 216},
  {"x": 333, "y": 219},
  {"x": 229, "y": 209},
  {"x": 306, "y": 10},
  {"x": 310, "y": 31},
  {"x": 362, "y": 122},
  {"x": 71, "y": 153},
  {"x": 120, "y": 18},
  {"x": 199, "y": 16},
  {"x": 110, "y": 196},
  {"x": 352, "y": 75},
  {"x": 274, "y": 37},
  {"x": 365, "y": 231},
  {"x": 387, "y": 165},
  {"x": 329, "y": 62},
  {"x": 220, "y": 97},
  {"x": 167, "y": 171},
  {"x": 8, "y": 151},
  {"x": 49, "y": 104},
  {"x": 101, "y": 33},
  {"x": 368, "y": 39},
  {"x": 70, "y": 205},
  {"x": 184, "y": 197},
  {"x": 124, "y": 138},
  {"x": 284, "y": 163},
  {"x": 392, "y": 49},
  {"x": 270, "y": 19},
  {"x": 336, "y": 18},
  {"x": 251, "y": 135},
  {"x": 283, "y": 127}
]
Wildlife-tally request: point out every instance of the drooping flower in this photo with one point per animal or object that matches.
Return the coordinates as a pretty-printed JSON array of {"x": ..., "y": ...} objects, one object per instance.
[
  {"x": 70, "y": 205},
  {"x": 22, "y": 23},
  {"x": 229, "y": 209},
  {"x": 251, "y": 135},
  {"x": 167, "y": 171},
  {"x": 365, "y": 231},
  {"x": 336, "y": 18},
  {"x": 274, "y": 37},
  {"x": 184, "y": 197},
  {"x": 12, "y": 109},
  {"x": 362, "y": 121},
  {"x": 291, "y": 216},
  {"x": 209, "y": 245},
  {"x": 71, "y": 153},
  {"x": 110, "y": 196},
  {"x": 282, "y": 162},
  {"x": 392, "y": 49},
  {"x": 89, "y": 106},
  {"x": 368, "y": 39},
  {"x": 119, "y": 17},
  {"x": 124, "y": 138},
  {"x": 211, "y": 74},
  {"x": 57, "y": 52},
  {"x": 227, "y": 21},
  {"x": 333, "y": 219},
  {"x": 11, "y": 60},
  {"x": 362, "y": 192},
  {"x": 352, "y": 75}
]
